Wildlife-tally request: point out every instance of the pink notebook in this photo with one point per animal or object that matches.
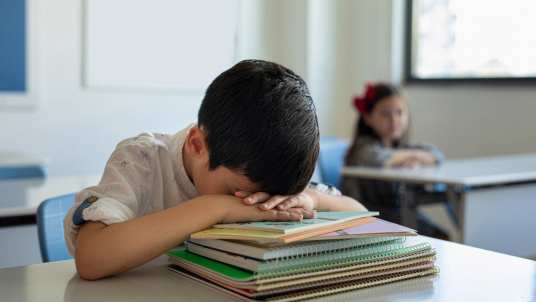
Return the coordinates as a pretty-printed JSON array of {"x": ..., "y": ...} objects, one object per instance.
[{"x": 373, "y": 229}]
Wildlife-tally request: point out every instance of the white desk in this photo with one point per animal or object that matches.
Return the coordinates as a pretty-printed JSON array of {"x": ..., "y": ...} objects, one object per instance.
[
  {"x": 467, "y": 274},
  {"x": 494, "y": 197}
]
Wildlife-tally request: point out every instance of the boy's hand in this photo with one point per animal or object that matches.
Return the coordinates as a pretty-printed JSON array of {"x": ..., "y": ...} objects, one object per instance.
[
  {"x": 236, "y": 211},
  {"x": 305, "y": 201}
]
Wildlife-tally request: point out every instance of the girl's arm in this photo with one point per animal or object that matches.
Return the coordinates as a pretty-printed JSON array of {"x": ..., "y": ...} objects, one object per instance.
[
  {"x": 410, "y": 158},
  {"x": 103, "y": 250}
]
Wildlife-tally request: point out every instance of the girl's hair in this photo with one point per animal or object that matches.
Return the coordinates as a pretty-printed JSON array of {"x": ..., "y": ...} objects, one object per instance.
[{"x": 379, "y": 92}]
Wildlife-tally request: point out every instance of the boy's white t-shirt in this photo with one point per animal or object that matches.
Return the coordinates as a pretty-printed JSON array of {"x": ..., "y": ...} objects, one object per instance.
[{"x": 145, "y": 174}]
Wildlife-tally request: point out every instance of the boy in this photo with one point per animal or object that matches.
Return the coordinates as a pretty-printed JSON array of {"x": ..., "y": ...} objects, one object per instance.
[{"x": 256, "y": 137}]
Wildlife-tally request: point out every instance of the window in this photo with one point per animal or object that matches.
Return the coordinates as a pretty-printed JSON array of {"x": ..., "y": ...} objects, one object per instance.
[{"x": 470, "y": 40}]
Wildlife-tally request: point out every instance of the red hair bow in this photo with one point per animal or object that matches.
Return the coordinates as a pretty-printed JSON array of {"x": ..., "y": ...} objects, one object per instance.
[{"x": 361, "y": 103}]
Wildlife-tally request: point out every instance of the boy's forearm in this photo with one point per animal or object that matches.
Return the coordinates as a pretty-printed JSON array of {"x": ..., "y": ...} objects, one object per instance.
[
  {"x": 336, "y": 203},
  {"x": 107, "y": 250}
]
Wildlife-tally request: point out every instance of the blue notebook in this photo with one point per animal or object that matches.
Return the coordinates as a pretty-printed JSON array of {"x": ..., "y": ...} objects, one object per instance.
[{"x": 322, "y": 219}]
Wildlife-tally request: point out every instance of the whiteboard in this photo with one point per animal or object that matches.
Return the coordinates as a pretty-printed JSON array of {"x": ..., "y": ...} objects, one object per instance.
[{"x": 157, "y": 45}]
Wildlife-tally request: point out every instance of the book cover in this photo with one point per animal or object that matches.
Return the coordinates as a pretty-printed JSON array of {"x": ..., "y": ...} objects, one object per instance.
[
  {"x": 322, "y": 219},
  {"x": 376, "y": 228},
  {"x": 292, "y": 286},
  {"x": 278, "y": 273},
  {"x": 216, "y": 233},
  {"x": 292, "y": 259},
  {"x": 266, "y": 252}
]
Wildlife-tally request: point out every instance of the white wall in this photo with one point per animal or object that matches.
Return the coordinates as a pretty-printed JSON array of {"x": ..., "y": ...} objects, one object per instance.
[
  {"x": 77, "y": 129},
  {"x": 335, "y": 45}
]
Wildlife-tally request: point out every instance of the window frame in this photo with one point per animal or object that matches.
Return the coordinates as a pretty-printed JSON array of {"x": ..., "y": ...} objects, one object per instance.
[{"x": 408, "y": 55}]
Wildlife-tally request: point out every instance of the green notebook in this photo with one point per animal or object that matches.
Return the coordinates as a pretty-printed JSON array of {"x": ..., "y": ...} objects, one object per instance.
[
  {"x": 220, "y": 268},
  {"x": 308, "y": 260},
  {"x": 278, "y": 273}
]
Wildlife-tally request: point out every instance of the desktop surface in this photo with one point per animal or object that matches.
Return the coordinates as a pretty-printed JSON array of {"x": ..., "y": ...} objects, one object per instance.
[
  {"x": 467, "y": 274},
  {"x": 463, "y": 172}
]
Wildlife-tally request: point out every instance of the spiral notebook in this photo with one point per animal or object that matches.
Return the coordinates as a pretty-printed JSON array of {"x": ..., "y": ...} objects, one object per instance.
[
  {"x": 376, "y": 228},
  {"x": 305, "y": 284},
  {"x": 301, "y": 256},
  {"x": 314, "y": 289},
  {"x": 266, "y": 252},
  {"x": 275, "y": 272}
]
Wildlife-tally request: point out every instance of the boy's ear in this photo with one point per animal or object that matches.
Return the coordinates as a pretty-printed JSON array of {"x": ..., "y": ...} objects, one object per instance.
[{"x": 196, "y": 142}]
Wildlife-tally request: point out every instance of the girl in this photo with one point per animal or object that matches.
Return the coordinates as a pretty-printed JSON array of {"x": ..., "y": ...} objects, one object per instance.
[{"x": 381, "y": 140}]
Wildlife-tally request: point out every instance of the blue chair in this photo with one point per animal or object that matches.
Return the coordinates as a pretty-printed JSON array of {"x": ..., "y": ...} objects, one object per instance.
[
  {"x": 21, "y": 172},
  {"x": 331, "y": 160},
  {"x": 50, "y": 214}
]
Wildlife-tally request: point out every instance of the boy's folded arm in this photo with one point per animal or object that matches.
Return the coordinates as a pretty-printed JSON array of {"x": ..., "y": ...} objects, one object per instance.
[
  {"x": 103, "y": 250},
  {"x": 334, "y": 203},
  {"x": 317, "y": 196}
]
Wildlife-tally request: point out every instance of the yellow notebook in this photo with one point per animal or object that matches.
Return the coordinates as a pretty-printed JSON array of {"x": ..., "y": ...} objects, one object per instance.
[
  {"x": 322, "y": 219},
  {"x": 263, "y": 236}
]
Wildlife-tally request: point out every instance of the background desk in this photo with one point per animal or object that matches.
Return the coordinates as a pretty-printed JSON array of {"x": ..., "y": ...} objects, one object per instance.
[
  {"x": 19, "y": 200},
  {"x": 494, "y": 197},
  {"x": 467, "y": 274},
  {"x": 15, "y": 165}
]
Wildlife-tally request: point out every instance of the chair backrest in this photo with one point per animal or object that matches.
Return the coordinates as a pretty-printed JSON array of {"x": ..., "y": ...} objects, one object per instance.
[
  {"x": 50, "y": 214},
  {"x": 21, "y": 172},
  {"x": 331, "y": 160}
]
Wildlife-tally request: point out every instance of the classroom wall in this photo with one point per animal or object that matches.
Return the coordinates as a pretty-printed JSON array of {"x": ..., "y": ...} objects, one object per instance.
[
  {"x": 74, "y": 127},
  {"x": 335, "y": 45}
]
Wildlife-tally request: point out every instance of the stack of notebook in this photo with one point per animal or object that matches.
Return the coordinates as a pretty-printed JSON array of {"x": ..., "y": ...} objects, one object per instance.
[{"x": 266, "y": 262}]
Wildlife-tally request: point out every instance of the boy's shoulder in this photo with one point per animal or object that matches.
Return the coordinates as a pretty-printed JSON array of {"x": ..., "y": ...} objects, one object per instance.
[{"x": 146, "y": 139}]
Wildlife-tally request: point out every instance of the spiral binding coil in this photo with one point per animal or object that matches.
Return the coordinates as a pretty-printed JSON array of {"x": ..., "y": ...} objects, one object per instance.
[
  {"x": 416, "y": 289},
  {"x": 330, "y": 290},
  {"x": 337, "y": 258},
  {"x": 409, "y": 253},
  {"x": 314, "y": 247},
  {"x": 308, "y": 283},
  {"x": 421, "y": 262}
]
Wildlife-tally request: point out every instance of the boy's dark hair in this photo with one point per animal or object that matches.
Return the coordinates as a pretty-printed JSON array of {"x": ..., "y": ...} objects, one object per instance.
[{"x": 259, "y": 120}]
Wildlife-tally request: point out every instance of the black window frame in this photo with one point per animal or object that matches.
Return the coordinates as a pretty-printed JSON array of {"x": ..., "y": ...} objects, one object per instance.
[{"x": 409, "y": 78}]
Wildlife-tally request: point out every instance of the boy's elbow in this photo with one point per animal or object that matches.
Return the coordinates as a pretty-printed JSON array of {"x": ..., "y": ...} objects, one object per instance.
[
  {"x": 89, "y": 264},
  {"x": 86, "y": 268},
  {"x": 90, "y": 254},
  {"x": 86, "y": 273}
]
